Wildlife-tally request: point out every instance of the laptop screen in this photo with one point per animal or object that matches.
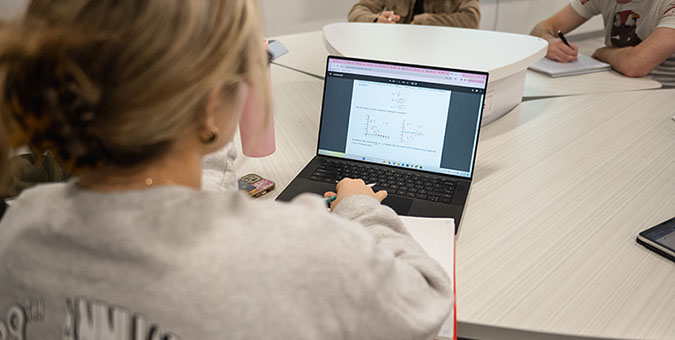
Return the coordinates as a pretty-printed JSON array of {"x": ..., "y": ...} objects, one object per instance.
[{"x": 414, "y": 117}]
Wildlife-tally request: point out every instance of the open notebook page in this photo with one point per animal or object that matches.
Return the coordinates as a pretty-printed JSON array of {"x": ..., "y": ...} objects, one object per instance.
[
  {"x": 584, "y": 64},
  {"x": 437, "y": 237}
]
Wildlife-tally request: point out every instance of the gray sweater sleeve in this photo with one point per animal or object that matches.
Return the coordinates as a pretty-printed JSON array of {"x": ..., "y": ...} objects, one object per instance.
[{"x": 411, "y": 294}]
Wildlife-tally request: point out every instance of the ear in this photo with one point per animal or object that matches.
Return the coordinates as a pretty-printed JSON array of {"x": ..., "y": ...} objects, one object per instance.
[
  {"x": 222, "y": 113},
  {"x": 213, "y": 110}
]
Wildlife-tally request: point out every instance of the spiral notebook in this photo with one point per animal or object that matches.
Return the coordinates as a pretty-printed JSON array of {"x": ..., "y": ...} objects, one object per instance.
[
  {"x": 584, "y": 64},
  {"x": 437, "y": 238}
]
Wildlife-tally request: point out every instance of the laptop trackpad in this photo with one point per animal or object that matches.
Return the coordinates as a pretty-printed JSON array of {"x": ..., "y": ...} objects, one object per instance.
[{"x": 401, "y": 205}]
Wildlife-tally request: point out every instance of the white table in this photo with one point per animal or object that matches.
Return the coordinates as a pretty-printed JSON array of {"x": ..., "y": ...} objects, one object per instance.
[
  {"x": 506, "y": 56},
  {"x": 561, "y": 189},
  {"x": 297, "y": 108},
  {"x": 307, "y": 53},
  {"x": 501, "y": 54},
  {"x": 541, "y": 85}
]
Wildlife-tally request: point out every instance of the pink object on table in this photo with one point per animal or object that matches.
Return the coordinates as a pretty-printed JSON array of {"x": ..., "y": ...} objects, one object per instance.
[{"x": 257, "y": 138}]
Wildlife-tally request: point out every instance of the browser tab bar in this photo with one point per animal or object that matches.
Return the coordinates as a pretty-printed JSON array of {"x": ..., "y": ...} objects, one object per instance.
[{"x": 410, "y": 73}]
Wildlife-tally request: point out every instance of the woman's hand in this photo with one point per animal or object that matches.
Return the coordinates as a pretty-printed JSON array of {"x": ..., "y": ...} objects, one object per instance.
[{"x": 349, "y": 187}]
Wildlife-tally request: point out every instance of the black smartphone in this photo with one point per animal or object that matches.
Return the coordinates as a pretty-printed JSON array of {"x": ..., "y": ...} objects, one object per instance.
[{"x": 660, "y": 239}]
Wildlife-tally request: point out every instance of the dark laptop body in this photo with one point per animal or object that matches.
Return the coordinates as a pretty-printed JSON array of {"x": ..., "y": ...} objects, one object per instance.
[{"x": 411, "y": 129}]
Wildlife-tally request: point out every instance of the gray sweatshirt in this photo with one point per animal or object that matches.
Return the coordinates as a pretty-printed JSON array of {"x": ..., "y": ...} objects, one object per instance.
[{"x": 178, "y": 263}]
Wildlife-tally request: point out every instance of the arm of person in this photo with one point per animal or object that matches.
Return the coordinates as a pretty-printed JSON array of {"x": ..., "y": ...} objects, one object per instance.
[
  {"x": 366, "y": 11},
  {"x": 407, "y": 295},
  {"x": 466, "y": 15},
  {"x": 566, "y": 20},
  {"x": 638, "y": 61}
]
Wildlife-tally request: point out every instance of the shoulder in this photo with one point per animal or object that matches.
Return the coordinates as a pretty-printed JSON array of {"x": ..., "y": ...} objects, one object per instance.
[
  {"x": 43, "y": 190},
  {"x": 589, "y": 8},
  {"x": 29, "y": 211},
  {"x": 667, "y": 9},
  {"x": 33, "y": 200}
]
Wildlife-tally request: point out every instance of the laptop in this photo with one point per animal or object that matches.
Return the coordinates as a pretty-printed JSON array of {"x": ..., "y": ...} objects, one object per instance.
[{"x": 410, "y": 129}]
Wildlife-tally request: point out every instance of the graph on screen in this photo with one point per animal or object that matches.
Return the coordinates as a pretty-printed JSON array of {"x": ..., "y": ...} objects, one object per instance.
[
  {"x": 389, "y": 121},
  {"x": 392, "y": 129}
]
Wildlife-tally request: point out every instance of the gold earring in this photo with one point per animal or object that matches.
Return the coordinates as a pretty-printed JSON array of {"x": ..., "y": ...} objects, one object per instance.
[{"x": 209, "y": 138}]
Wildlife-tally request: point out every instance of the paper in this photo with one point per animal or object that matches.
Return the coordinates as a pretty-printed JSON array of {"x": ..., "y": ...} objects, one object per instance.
[
  {"x": 437, "y": 238},
  {"x": 387, "y": 120},
  {"x": 277, "y": 49},
  {"x": 584, "y": 64}
]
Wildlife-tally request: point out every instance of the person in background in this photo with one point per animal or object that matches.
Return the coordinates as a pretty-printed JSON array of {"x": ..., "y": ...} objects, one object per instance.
[
  {"x": 130, "y": 96},
  {"x": 455, "y": 13},
  {"x": 639, "y": 35}
]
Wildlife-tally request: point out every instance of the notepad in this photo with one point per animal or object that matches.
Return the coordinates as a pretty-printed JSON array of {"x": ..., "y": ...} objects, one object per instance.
[
  {"x": 437, "y": 238},
  {"x": 584, "y": 64},
  {"x": 277, "y": 49}
]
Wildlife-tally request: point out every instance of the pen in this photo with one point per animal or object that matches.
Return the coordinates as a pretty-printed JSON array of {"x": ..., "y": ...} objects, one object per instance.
[
  {"x": 562, "y": 37},
  {"x": 388, "y": 18},
  {"x": 385, "y": 9},
  {"x": 331, "y": 199}
]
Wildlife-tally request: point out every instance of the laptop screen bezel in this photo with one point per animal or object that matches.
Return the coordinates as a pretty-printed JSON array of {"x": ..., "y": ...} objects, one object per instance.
[{"x": 480, "y": 118}]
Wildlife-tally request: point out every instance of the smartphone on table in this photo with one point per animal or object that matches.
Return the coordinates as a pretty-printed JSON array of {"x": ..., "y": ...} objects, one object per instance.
[
  {"x": 255, "y": 185},
  {"x": 660, "y": 239}
]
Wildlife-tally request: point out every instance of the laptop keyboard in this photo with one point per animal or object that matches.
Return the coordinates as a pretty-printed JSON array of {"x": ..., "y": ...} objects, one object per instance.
[{"x": 418, "y": 186}]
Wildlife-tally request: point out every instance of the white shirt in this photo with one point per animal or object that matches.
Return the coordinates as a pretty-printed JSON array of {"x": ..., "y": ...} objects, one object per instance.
[{"x": 631, "y": 23}]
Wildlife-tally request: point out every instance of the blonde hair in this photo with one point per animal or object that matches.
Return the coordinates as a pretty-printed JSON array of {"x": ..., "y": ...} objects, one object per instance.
[{"x": 116, "y": 82}]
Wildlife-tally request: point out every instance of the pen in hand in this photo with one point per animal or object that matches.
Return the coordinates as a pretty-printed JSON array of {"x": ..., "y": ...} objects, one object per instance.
[
  {"x": 331, "y": 199},
  {"x": 385, "y": 9},
  {"x": 562, "y": 37}
]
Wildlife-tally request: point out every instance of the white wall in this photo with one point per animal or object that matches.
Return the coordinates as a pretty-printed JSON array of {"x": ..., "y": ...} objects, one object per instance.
[
  {"x": 520, "y": 16},
  {"x": 294, "y": 16},
  {"x": 515, "y": 16},
  {"x": 11, "y": 8}
]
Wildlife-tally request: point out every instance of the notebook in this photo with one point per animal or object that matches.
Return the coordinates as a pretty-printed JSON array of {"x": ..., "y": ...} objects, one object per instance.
[
  {"x": 437, "y": 238},
  {"x": 584, "y": 64},
  {"x": 276, "y": 48}
]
